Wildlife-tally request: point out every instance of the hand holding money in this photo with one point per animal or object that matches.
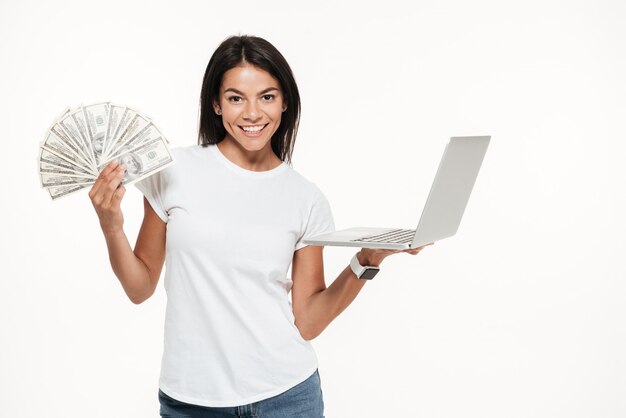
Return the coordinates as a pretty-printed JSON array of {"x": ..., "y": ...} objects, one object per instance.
[
  {"x": 106, "y": 196},
  {"x": 82, "y": 141}
]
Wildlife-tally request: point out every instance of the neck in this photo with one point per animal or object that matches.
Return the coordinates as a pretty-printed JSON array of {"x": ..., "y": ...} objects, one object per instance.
[{"x": 261, "y": 160}]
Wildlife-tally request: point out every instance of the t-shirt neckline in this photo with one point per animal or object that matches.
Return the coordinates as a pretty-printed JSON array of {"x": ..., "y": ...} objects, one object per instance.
[{"x": 215, "y": 151}]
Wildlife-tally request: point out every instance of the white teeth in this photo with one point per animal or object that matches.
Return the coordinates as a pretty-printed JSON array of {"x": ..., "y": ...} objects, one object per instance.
[{"x": 252, "y": 128}]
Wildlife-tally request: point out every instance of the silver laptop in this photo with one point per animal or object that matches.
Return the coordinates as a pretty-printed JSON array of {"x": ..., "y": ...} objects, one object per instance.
[{"x": 442, "y": 212}]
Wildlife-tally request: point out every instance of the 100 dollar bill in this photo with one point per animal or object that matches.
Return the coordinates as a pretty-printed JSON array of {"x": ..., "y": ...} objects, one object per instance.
[{"x": 144, "y": 160}]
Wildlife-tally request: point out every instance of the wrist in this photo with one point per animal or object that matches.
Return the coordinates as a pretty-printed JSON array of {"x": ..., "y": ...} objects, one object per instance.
[
  {"x": 112, "y": 233},
  {"x": 362, "y": 270},
  {"x": 364, "y": 260}
]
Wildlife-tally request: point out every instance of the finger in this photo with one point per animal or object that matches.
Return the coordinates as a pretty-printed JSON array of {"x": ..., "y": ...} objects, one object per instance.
[
  {"x": 102, "y": 177},
  {"x": 113, "y": 183},
  {"x": 388, "y": 252},
  {"x": 424, "y": 246},
  {"x": 93, "y": 191},
  {"x": 108, "y": 169},
  {"x": 95, "y": 194},
  {"x": 379, "y": 252},
  {"x": 118, "y": 195}
]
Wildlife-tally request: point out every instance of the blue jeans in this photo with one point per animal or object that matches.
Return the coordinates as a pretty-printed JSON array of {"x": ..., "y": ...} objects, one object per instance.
[{"x": 301, "y": 401}]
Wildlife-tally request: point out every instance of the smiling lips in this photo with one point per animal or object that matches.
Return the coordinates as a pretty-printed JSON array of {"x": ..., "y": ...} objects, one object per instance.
[{"x": 253, "y": 130}]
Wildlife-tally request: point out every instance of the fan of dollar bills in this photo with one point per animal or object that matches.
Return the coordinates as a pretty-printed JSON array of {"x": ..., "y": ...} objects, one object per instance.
[{"x": 83, "y": 140}]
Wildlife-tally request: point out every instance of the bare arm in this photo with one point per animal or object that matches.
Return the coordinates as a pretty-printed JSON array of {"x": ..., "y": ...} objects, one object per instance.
[
  {"x": 315, "y": 305},
  {"x": 138, "y": 271}
]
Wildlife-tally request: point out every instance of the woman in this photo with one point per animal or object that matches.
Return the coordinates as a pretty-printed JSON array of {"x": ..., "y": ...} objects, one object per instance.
[{"x": 229, "y": 217}]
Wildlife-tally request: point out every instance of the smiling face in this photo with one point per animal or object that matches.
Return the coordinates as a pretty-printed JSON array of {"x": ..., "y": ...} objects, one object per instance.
[{"x": 251, "y": 105}]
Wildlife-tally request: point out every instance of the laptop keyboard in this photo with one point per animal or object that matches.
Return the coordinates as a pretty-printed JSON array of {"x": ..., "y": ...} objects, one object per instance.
[{"x": 397, "y": 236}]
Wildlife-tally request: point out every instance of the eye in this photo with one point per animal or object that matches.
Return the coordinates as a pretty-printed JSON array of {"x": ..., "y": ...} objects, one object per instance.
[
  {"x": 235, "y": 99},
  {"x": 268, "y": 97}
]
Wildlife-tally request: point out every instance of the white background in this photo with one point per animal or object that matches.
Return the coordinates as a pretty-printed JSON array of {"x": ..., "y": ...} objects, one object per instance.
[{"x": 521, "y": 314}]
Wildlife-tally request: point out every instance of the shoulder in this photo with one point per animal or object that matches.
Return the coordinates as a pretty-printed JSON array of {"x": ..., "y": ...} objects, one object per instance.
[
  {"x": 185, "y": 157},
  {"x": 182, "y": 156},
  {"x": 305, "y": 188},
  {"x": 187, "y": 161},
  {"x": 314, "y": 208}
]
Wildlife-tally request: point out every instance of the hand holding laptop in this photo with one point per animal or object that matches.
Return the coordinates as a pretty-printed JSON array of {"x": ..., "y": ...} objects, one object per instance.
[
  {"x": 375, "y": 256},
  {"x": 366, "y": 263}
]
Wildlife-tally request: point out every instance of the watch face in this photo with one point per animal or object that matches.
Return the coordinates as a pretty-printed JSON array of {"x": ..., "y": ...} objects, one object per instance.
[{"x": 369, "y": 274}]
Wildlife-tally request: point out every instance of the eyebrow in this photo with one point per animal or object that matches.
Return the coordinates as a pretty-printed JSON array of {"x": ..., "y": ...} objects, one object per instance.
[{"x": 234, "y": 90}]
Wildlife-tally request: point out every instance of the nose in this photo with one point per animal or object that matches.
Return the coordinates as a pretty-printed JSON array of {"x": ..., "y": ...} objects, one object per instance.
[{"x": 251, "y": 111}]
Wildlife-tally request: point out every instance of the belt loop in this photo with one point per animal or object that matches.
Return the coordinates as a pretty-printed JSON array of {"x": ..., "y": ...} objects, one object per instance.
[{"x": 245, "y": 411}]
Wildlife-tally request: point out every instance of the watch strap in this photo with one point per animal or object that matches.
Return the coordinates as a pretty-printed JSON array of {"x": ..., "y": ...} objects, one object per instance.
[{"x": 363, "y": 272}]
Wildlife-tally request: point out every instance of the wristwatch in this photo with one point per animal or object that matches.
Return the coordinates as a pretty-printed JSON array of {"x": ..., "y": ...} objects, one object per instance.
[{"x": 363, "y": 272}]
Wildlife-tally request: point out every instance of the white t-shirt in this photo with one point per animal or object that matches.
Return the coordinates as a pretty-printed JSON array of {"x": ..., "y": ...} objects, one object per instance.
[{"x": 230, "y": 337}]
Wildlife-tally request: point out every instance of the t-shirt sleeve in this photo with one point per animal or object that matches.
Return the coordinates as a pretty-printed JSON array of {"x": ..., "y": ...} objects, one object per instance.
[
  {"x": 153, "y": 188},
  {"x": 320, "y": 220}
]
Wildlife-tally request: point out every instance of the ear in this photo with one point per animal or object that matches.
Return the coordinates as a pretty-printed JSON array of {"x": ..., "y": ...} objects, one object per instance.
[
  {"x": 284, "y": 107},
  {"x": 216, "y": 108}
]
